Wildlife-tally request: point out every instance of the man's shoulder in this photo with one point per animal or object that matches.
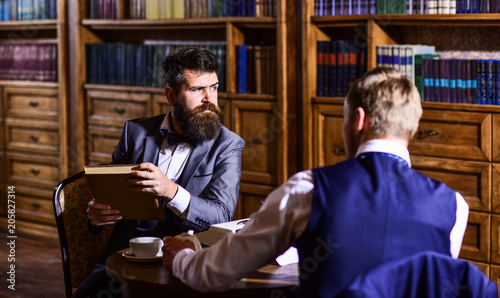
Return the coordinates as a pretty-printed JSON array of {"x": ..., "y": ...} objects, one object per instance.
[{"x": 227, "y": 135}]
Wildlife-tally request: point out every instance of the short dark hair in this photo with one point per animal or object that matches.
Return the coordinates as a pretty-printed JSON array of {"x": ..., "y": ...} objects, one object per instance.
[{"x": 197, "y": 59}]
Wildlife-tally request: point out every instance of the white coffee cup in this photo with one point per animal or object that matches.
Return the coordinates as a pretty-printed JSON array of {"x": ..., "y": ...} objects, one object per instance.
[{"x": 145, "y": 246}]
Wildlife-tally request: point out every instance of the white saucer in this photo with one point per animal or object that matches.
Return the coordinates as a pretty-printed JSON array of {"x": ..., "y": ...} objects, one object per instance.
[{"x": 131, "y": 257}]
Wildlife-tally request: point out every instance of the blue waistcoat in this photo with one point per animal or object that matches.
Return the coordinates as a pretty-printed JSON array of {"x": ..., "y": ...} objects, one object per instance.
[{"x": 366, "y": 211}]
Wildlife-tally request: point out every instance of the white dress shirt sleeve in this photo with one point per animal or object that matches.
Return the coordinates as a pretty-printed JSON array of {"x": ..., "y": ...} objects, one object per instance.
[
  {"x": 273, "y": 229},
  {"x": 458, "y": 230},
  {"x": 180, "y": 202}
]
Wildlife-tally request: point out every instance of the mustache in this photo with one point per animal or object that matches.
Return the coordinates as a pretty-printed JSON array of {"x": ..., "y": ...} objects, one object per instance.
[{"x": 206, "y": 107}]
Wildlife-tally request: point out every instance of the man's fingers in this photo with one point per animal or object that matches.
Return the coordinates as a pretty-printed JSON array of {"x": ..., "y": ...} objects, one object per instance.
[{"x": 97, "y": 205}]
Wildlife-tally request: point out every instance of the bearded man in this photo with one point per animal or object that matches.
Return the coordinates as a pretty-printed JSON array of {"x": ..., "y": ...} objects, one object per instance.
[{"x": 187, "y": 158}]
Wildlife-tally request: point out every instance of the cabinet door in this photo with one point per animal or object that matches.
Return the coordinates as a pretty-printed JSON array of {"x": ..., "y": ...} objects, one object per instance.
[
  {"x": 451, "y": 134},
  {"x": 328, "y": 146},
  {"x": 31, "y": 103},
  {"x": 114, "y": 108},
  {"x": 250, "y": 199},
  {"x": 32, "y": 136},
  {"x": 256, "y": 123},
  {"x": 476, "y": 243},
  {"x": 495, "y": 274},
  {"x": 471, "y": 179},
  {"x": 102, "y": 143},
  {"x": 495, "y": 196}
]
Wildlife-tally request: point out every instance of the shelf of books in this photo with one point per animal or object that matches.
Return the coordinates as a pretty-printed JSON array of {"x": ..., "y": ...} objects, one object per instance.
[
  {"x": 452, "y": 56},
  {"x": 33, "y": 108},
  {"x": 118, "y": 66}
]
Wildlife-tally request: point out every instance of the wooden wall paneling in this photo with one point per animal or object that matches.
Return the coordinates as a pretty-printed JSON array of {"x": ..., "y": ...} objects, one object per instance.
[
  {"x": 496, "y": 138},
  {"x": 485, "y": 268},
  {"x": 495, "y": 194},
  {"x": 476, "y": 243},
  {"x": 495, "y": 239},
  {"x": 495, "y": 275},
  {"x": 471, "y": 179}
]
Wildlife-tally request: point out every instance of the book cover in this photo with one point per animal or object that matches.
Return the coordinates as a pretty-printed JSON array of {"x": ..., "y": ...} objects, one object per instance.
[
  {"x": 331, "y": 82},
  {"x": 453, "y": 80},
  {"x": 436, "y": 77},
  {"x": 444, "y": 82},
  {"x": 320, "y": 66},
  {"x": 488, "y": 80},
  {"x": 241, "y": 68},
  {"x": 108, "y": 184}
]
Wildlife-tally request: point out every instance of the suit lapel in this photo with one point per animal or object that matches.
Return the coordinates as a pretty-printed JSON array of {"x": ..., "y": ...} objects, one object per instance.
[
  {"x": 151, "y": 149},
  {"x": 195, "y": 160}
]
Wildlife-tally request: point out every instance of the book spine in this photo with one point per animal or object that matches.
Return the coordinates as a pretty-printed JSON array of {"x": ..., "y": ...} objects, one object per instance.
[
  {"x": 437, "y": 80},
  {"x": 428, "y": 81},
  {"x": 453, "y": 80},
  {"x": 444, "y": 83},
  {"x": 496, "y": 86},
  {"x": 419, "y": 75},
  {"x": 488, "y": 81},
  {"x": 320, "y": 66},
  {"x": 332, "y": 68},
  {"x": 241, "y": 68}
]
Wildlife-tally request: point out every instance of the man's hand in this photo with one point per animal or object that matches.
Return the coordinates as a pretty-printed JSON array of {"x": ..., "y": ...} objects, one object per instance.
[
  {"x": 171, "y": 247},
  {"x": 101, "y": 214},
  {"x": 149, "y": 178}
]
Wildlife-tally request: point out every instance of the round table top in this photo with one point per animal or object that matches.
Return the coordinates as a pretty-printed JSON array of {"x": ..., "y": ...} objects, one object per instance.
[{"x": 153, "y": 277}]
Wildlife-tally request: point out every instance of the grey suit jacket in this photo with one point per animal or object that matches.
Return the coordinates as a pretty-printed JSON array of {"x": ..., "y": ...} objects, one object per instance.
[{"x": 212, "y": 176}]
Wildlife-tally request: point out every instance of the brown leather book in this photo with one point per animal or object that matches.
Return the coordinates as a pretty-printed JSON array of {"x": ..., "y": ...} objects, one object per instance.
[{"x": 109, "y": 186}]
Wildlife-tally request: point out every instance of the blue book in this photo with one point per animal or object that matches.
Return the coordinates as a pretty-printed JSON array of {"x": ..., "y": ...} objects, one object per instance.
[
  {"x": 496, "y": 85},
  {"x": 332, "y": 67},
  {"x": 241, "y": 68},
  {"x": 453, "y": 80},
  {"x": 481, "y": 85},
  {"x": 436, "y": 77}
]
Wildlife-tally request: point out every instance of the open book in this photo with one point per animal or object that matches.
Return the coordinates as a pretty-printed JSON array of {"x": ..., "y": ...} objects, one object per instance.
[{"x": 109, "y": 186}]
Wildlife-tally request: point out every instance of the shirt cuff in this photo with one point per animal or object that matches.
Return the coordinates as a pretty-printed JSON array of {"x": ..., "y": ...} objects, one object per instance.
[
  {"x": 177, "y": 269},
  {"x": 180, "y": 202}
]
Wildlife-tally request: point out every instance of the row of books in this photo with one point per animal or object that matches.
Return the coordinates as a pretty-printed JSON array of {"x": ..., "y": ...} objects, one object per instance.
[
  {"x": 256, "y": 69},
  {"x": 339, "y": 62},
  {"x": 27, "y": 10},
  {"x": 402, "y": 57},
  {"x": 179, "y": 9},
  {"x": 360, "y": 7},
  {"x": 28, "y": 61},
  {"x": 461, "y": 81},
  {"x": 102, "y": 9},
  {"x": 133, "y": 64}
]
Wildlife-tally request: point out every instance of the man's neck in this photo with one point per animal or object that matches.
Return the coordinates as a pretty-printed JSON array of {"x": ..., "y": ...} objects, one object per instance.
[{"x": 174, "y": 127}]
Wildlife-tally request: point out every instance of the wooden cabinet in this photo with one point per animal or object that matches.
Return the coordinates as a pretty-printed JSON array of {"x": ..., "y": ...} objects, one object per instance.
[
  {"x": 458, "y": 144},
  {"x": 33, "y": 129},
  {"x": 101, "y": 110}
]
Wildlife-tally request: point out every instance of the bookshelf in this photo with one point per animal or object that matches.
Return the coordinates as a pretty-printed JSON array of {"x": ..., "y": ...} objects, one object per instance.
[
  {"x": 100, "y": 110},
  {"x": 456, "y": 143},
  {"x": 33, "y": 142}
]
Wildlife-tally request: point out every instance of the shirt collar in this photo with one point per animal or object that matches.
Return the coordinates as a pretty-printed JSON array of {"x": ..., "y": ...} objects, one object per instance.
[
  {"x": 385, "y": 146},
  {"x": 165, "y": 125}
]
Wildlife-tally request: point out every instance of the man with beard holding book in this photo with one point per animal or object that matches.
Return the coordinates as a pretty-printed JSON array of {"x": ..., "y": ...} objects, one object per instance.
[{"x": 187, "y": 158}]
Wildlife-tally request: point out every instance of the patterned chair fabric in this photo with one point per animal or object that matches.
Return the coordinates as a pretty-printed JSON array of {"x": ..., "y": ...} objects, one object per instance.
[{"x": 80, "y": 249}]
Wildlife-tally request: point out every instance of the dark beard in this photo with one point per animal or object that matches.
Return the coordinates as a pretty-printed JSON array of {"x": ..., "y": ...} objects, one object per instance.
[{"x": 197, "y": 125}]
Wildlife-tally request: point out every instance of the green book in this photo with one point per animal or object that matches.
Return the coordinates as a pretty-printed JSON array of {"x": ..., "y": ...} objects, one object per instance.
[{"x": 419, "y": 71}]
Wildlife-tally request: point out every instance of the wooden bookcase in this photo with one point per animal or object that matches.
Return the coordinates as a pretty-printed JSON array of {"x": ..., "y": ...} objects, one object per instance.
[
  {"x": 464, "y": 152},
  {"x": 101, "y": 110},
  {"x": 33, "y": 134}
]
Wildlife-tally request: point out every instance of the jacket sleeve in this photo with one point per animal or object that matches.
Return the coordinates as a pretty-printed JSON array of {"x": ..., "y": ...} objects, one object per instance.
[{"x": 217, "y": 201}]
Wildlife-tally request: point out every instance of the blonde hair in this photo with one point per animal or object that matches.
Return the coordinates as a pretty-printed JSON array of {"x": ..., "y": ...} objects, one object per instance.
[{"x": 390, "y": 100}]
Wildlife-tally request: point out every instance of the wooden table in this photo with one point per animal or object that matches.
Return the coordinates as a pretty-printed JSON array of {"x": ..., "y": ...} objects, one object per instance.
[{"x": 154, "y": 280}]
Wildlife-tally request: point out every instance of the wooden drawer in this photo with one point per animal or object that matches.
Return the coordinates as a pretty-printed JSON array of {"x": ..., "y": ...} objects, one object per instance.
[
  {"x": 495, "y": 196},
  {"x": 495, "y": 239},
  {"x": 328, "y": 141},
  {"x": 31, "y": 103},
  {"x": 35, "y": 170},
  {"x": 472, "y": 179},
  {"x": 34, "y": 204},
  {"x": 102, "y": 143},
  {"x": 476, "y": 243},
  {"x": 461, "y": 135},
  {"x": 38, "y": 136},
  {"x": 255, "y": 123},
  {"x": 250, "y": 199},
  {"x": 114, "y": 108}
]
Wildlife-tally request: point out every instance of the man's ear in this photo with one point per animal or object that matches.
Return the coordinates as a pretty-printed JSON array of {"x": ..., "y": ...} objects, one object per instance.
[
  {"x": 361, "y": 119},
  {"x": 170, "y": 95}
]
